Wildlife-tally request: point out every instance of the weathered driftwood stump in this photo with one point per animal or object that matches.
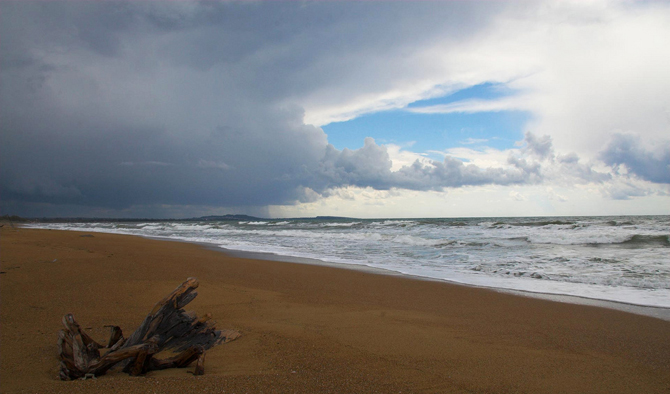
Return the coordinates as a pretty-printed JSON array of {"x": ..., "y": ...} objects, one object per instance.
[{"x": 179, "y": 337}]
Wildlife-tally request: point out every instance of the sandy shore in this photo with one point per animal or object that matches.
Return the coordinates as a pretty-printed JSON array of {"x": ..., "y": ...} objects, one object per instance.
[{"x": 312, "y": 329}]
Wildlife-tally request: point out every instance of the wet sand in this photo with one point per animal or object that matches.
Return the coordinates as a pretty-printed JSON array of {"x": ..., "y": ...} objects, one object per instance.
[{"x": 311, "y": 329}]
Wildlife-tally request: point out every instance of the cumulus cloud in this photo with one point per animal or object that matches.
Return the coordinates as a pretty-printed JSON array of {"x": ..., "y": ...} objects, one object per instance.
[
  {"x": 371, "y": 166},
  {"x": 649, "y": 164},
  {"x": 541, "y": 146}
]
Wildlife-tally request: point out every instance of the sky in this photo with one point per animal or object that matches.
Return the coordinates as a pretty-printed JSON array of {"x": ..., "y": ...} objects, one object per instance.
[{"x": 175, "y": 109}]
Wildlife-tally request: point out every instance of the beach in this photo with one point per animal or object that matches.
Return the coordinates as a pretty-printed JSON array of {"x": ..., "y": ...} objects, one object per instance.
[{"x": 309, "y": 328}]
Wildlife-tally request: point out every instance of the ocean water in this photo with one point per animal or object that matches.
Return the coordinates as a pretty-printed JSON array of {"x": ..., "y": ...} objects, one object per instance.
[{"x": 623, "y": 259}]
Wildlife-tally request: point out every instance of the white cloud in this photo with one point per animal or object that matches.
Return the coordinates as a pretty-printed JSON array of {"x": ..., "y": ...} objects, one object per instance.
[
  {"x": 474, "y": 106},
  {"x": 515, "y": 195},
  {"x": 553, "y": 195},
  {"x": 401, "y": 157},
  {"x": 488, "y": 157},
  {"x": 482, "y": 201},
  {"x": 472, "y": 141},
  {"x": 600, "y": 69}
]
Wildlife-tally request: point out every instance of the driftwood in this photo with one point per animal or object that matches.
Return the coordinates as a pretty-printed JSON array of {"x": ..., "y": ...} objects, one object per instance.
[{"x": 168, "y": 337}]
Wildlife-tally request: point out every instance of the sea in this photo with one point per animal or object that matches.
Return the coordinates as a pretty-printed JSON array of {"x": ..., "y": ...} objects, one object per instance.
[{"x": 621, "y": 259}]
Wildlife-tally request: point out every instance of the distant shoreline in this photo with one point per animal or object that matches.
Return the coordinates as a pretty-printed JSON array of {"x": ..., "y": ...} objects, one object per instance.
[{"x": 240, "y": 217}]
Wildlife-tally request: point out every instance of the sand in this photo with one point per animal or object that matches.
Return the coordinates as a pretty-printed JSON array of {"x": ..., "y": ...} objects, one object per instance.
[{"x": 311, "y": 329}]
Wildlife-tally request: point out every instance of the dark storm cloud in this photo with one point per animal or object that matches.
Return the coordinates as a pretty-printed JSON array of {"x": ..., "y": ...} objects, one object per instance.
[
  {"x": 117, "y": 167},
  {"x": 628, "y": 151},
  {"x": 118, "y": 104}
]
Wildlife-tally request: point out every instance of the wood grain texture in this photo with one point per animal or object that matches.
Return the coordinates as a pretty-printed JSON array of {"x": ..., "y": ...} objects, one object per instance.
[{"x": 167, "y": 328}]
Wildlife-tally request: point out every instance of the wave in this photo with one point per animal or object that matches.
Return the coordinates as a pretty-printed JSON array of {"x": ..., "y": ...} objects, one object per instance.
[
  {"x": 537, "y": 224},
  {"x": 647, "y": 240},
  {"x": 457, "y": 224},
  {"x": 615, "y": 223},
  {"x": 414, "y": 240},
  {"x": 398, "y": 223},
  {"x": 637, "y": 241},
  {"x": 456, "y": 243},
  {"x": 437, "y": 243},
  {"x": 341, "y": 224}
]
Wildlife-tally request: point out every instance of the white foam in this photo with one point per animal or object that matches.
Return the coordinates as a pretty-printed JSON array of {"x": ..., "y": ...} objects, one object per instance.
[{"x": 341, "y": 224}]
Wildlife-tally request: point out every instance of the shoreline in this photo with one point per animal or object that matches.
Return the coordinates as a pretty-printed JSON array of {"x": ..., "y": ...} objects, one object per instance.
[
  {"x": 660, "y": 312},
  {"x": 311, "y": 328}
]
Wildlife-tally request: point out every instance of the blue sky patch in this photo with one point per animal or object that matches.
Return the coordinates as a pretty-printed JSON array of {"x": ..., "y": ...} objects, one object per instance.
[
  {"x": 484, "y": 91},
  {"x": 436, "y": 131}
]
